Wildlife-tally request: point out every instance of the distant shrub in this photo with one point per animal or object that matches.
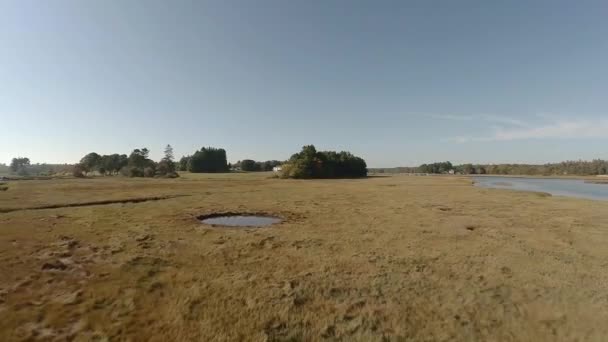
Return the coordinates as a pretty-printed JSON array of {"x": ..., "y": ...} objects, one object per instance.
[
  {"x": 172, "y": 175},
  {"x": 131, "y": 171},
  {"x": 325, "y": 164},
  {"x": 135, "y": 172},
  {"x": 165, "y": 167},
  {"x": 148, "y": 172},
  {"x": 78, "y": 171}
]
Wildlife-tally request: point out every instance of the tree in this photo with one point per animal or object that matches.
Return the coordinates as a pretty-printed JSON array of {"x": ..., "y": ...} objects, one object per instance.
[
  {"x": 208, "y": 159},
  {"x": 166, "y": 166},
  {"x": 169, "y": 153},
  {"x": 270, "y": 164},
  {"x": 90, "y": 162},
  {"x": 19, "y": 165},
  {"x": 468, "y": 169},
  {"x": 114, "y": 162},
  {"x": 137, "y": 162},
  {"x": 183, "y": 163},
  {"x": 248, "y": 165},
  {"x": 105, "y": 164},
  {"x": 119, "y": 162},
  {"x": 139, "y": 158}
]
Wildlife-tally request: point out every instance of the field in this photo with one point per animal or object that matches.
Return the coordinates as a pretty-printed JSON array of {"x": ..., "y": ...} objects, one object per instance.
[{"x": 393, "y": 258}]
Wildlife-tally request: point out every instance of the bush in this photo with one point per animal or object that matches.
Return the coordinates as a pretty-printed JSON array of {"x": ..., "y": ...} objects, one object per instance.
[
  {"x": 165, "y": 167},
  {"x": 135, "y": 172},
  {"x": 172, "y": 175},
  {"x": 131, "y": 171},
  {"x": 149, "y": 172},
  {"x": 78, "y": 171},
  {"x": 326, "y": 164}
]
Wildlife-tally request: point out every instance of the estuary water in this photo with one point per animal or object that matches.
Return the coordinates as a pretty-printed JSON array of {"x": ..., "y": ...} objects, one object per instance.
[{"x": 554, "y": 186}]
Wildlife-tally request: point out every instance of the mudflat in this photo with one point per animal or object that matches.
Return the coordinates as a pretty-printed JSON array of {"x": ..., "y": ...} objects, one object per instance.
[{"x": 384, "y": 258}]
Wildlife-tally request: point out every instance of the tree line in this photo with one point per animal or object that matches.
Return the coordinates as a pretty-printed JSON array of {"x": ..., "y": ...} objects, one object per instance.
[
  {"x": 580, "y": 167},
  {"x": 137, "y": 164},
  {"x": 22, "y": 166},
  {"x": 253, "y": 166},
  {"x": 442, "y": 167},
  {"x": 308, "y": 163}
]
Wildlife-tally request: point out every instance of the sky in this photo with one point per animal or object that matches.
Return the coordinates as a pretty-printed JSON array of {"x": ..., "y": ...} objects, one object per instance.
[{"x": 398, "y": 83}]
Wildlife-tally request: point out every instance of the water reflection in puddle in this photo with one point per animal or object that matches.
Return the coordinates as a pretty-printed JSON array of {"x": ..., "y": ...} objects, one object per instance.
[{"x": 241, "y": 220}]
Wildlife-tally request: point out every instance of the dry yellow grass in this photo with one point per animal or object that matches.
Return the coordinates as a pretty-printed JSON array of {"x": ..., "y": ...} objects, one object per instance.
[{"x": 386, "y": 258}]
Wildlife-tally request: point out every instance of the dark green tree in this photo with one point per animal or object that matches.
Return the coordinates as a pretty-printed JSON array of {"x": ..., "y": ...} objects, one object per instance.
[
  {"x": 139, "y": 158},
  {"x": 166, "y": 166},
  {"x": 137, "y": 162},
  {"x": 90, "y": 162},
  {"x": 325, "y": 164},
  {"x": 183, "y": 163},
  {"x": 248, "y": 165},
  {"x": 19, "y": 165},
  {"x": 168, "y": 153},
  {"x": 208, "y": 159}
]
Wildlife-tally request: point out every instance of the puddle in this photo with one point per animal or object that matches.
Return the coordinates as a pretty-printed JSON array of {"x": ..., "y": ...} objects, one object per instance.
[{"x": 240, "y": 220}]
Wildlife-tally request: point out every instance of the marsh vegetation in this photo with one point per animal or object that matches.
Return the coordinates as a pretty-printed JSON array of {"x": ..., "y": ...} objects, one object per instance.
[{"x": 375, "y": 259}]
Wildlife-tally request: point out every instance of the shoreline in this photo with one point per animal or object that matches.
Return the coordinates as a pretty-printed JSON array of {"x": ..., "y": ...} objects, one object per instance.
[{"x": 571, "y": 177}]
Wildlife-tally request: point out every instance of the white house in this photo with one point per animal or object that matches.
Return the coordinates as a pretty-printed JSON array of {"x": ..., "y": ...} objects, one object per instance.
[{"x": 277, "y": 169}]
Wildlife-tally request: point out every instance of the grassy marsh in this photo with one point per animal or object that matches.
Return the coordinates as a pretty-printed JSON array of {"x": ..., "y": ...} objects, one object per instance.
[{"x": 397, "y": 258}]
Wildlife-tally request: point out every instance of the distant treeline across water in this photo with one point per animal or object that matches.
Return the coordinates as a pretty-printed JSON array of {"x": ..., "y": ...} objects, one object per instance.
[{"x": 581, "y": 167}]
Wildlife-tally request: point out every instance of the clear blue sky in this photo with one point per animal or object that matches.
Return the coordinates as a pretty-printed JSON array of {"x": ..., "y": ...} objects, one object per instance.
[{"x": 396, "y": 82}]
